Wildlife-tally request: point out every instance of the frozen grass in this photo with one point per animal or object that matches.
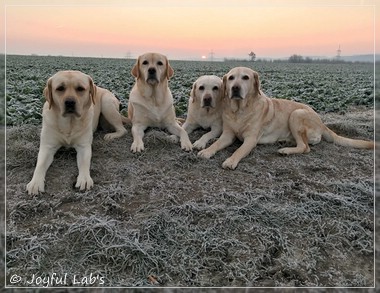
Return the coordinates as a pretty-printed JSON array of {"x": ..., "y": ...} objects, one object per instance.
[
  {"x": 2, "y": 207},
  {"x": 325, "y": 87},
  {"x": 168, "y": 218}
]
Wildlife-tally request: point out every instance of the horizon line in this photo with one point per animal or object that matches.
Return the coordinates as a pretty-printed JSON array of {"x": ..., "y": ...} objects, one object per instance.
[{"x": 193, "y": 58}]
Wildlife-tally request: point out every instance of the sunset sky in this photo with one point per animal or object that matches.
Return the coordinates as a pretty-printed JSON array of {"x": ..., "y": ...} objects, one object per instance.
[{"x": 190, "y": 29}]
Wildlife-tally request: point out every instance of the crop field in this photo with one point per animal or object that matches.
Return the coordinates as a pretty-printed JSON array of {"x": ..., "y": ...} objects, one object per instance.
[
  {"x": 167, "y": 218},
  {"x": 325, "y": 87}
]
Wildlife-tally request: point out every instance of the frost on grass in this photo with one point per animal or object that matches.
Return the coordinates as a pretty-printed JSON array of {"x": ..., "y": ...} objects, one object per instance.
[
  {"x": 325, "y": 87},
  {"x": 168, "y": 218}
]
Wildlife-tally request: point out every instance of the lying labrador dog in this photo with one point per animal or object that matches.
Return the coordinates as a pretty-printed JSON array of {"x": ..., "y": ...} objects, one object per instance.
[
  {"x": 205, "y": 109},
  {"x": 255, "y": 119},
  {"x": 151, "y": 102},
  {"x": 70, "y": 115}
]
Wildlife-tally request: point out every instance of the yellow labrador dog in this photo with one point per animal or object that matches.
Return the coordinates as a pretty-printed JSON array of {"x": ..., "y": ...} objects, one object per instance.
[
  {"x": 151, "y": 102},
  {"x": 255, "y": 119},
  {"x": 70, "y": 115},
  {"x": 205, "y": 109}
]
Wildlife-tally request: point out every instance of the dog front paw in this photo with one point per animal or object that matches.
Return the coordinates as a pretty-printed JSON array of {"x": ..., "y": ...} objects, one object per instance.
[
  {"x": 186, "y": 145},
  {"x": 199, "y": 144},
  {"x": 35, "y": 186},
  {"x": 230, "y": 164},
  {"x": 137, "y": 147},
  {"x": 84, "y": 182},
  {"x": 206, "y": 154}
]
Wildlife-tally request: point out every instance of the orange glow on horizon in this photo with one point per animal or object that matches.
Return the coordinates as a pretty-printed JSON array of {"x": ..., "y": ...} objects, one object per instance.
[{"x": 189, "y": 31}]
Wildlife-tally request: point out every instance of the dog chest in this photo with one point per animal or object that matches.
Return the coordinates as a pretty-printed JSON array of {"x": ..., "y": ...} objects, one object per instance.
[
  {"x": 72, "y": 133},
  {"x": 154, "y": 114},
  {"x": 73, "y": 138},
  {"x": 239, "y": 122}
]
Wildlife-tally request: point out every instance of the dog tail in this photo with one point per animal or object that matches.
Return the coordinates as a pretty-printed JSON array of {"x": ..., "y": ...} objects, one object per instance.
[
  {"x": 180, "y": 121},
  {"x": 331, "y": 136}
]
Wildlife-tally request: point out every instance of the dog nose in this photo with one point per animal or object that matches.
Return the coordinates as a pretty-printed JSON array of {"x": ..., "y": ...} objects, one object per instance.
[
  {"x": 152, "y": 70},
  {"x": 235, "y": 88},
  {"x": 207, "y": 101},
  {"x": 70, "y": 103}
]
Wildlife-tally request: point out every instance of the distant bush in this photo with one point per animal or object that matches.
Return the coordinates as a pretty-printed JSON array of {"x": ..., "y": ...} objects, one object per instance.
[{"x": 300, "y": 59}]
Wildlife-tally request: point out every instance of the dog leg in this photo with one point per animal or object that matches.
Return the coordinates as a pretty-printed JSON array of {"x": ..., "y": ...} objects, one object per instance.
[
  {"x": 120, "y": 131},
  {"x": 84, "y": 180},
  {"x": 201, "y": 143},
  {"x": 226, "y": 139},
  {"x": 300, "y": 123},
  {"x": 45, "y": 158},
  {"x": 248, "y": 145},
  {"x": 113, "y": 117},
  {"x": 184, "y": 138},
  {"x": 302, "y": 145},
  {"x": 189, "y": 128},
  {"x": 138, "y": 134}
]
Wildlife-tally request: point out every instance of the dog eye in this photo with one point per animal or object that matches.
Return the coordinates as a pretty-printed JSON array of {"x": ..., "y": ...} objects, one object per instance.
[
  {"x": 231, "y": 77},
  {"x": 245, "y": 77},
  {"x": 160, "y": 63},
  {"x": 201, "y": 88},
  {"x": 215, "y": 88},
  {"x": 145, "y": 62},
  {"x": 80, "y": 89},
  {"x": 60, "y": 88}
]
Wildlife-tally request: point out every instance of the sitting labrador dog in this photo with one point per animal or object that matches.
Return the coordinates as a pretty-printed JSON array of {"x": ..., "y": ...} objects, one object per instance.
[
  {"x": 70, "y": 116},
  {"x": 254, "y": 118},
  {"x": 151, "y": 102},
  {"x": 205, "y": 109}
]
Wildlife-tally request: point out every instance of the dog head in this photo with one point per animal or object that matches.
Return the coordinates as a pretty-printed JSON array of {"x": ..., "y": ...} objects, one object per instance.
[
  {"x": 207, "y": 90},
  {"x": 71, "y": 92},
  {"x": 240, "y": 83},
  {"x": 152, "y": 68}
]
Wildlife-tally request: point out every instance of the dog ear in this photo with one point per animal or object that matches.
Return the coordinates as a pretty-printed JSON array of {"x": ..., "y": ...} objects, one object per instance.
[
  {"x": 135, "y": 70},
  {"x": 48, "y": 93},
  {"x": 92, "y": 92},
  {"x": 256, "y": 82},
  {"x": 221, "y": 91},
  {"x": 169, "y": 70},
  {"x": 233, "y": 104},
  {"x": 92, "y": 89},
  {"x": 224, "y": 87},
  {"x": 192, "y": 93}
]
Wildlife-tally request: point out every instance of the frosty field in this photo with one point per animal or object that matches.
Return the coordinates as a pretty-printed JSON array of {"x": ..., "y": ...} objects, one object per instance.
[
  {"x": 325, "y": 87},
  {"x": 168, "y": 218}
]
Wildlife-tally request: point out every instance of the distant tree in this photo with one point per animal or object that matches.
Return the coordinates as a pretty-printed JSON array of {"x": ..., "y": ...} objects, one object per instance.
[
  {"x": 296, "y": 58},
  {"x": 252, "y": 56},
  {"x": 308, "y": 60}
]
